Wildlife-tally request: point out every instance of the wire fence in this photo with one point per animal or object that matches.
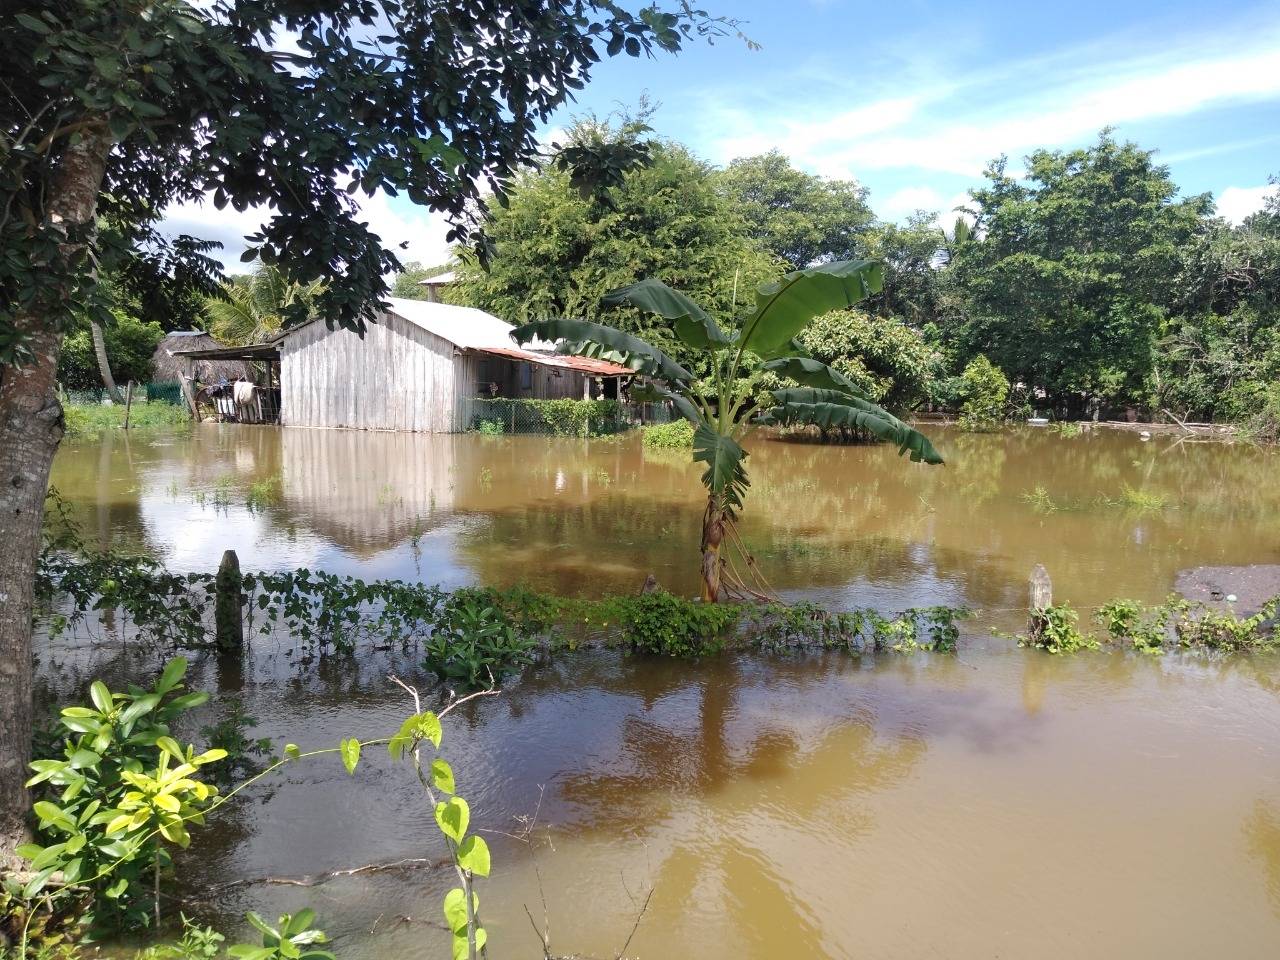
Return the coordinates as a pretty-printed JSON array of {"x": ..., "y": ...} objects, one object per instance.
[
  {"x": 164, "y": 391},
  {"x": 559, "y": 418}
]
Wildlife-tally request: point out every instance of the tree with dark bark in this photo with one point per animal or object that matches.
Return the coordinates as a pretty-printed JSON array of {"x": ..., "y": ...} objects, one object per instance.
[{"x": 115, "y": 109}]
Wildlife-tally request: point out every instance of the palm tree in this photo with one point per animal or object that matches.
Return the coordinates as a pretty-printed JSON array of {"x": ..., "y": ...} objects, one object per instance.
[
  {"x": 255, "y": 306},
  {"x": 729, "y": 409}
]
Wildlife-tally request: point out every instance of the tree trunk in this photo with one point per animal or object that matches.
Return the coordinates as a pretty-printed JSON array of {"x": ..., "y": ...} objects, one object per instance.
[
  {"x": 712, "y": 533},
  {"x": 104, "y": 368},
  {"x": 31, "y": 427}
]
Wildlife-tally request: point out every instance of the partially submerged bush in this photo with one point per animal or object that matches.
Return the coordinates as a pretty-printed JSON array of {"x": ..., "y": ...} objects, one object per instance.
[{"x": 673, "y": 435}]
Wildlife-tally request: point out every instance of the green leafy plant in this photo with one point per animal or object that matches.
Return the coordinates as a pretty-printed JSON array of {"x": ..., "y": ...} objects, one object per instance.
[
  {"x": 244, "y": 756},
  {"x": 468, "y": 852},
  {"x": 986, "y": 392},
  {"x": 678, "y": 434},
  {"x": 293, "y": 939},
  {"x": 121, "y": 788},
  {"x": 490, "y": 428},
  {"x": 1054, "y": 631},
  {"x": 723, "y": 410},
  {"x": 475, "y": 642}
]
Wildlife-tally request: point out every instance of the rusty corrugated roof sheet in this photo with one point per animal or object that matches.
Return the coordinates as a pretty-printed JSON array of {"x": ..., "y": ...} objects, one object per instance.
[{"x": 597, "y": 368}]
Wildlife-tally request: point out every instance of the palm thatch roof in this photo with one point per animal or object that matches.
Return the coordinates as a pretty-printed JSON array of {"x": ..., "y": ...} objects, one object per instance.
[{"x": 169, "y": 365}]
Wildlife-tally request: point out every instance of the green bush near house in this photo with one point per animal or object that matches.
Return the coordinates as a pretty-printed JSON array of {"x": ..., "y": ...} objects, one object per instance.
[{"x": 678, "y": 433}]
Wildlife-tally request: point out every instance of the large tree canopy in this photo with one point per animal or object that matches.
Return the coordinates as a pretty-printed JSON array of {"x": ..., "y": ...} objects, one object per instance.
[
  {"x": 1069, "y": 270},
  {"x": 556, "y": 253},
  {"x": 802, "y": 218},
  {"x": 118, "y": 108}
]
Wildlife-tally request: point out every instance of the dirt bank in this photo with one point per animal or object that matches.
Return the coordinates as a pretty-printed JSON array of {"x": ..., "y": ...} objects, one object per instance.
[{"x": 1251, "y": 586}]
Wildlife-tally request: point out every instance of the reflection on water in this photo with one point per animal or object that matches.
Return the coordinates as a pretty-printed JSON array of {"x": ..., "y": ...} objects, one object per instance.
[
  {"x": 1003, "y": 804},
  {"x": 845, "y": 526}
]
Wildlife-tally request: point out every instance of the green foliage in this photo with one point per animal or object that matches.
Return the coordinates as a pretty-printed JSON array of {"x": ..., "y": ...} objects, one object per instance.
[
  {"x": 889, "y": 362},
  {"x": 469, "y": 853},
  {"x": 130, "y": 346},
  {"x": 408, "y": 283},
  {"x": 293, "y": 939},
  {"x": 1065, "y": 278},
  {"x": 464, "y": 636},
  {"x": 799, "y": 218},
  {"x": 120, "y": 786},
  {"x": 558, "y": 255},
  {"x": 560, "y": 418},
  {"x": 245, "y": 757},
  {"x": 664, "y": 624},
  {"x": 253, "y": 308},
  {"x": 181, "y": 103},
  {"x": 722, "y": 410},
  {"x": 475, "y": 642},
  {"x": 90, "y": 421},
  {"x": 1054, "y": 631},
  {"x": 1183, "y": 624},
  {"x": 986, "y": 391},
  {"x": 674, "y": 435}
]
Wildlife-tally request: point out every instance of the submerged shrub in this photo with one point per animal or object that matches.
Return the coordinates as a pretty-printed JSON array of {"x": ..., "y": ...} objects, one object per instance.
[{"x": 677, "y": 433}]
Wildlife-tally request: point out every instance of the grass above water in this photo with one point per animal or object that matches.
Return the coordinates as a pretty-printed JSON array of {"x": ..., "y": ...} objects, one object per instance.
[{"x": 92, "y": 420}]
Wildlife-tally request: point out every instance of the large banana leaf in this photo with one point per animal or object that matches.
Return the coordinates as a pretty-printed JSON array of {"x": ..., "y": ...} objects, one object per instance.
[
  {"x": 650, "y": 392},
  {"x": 812, "y": 373},
  {"x": 783, "y": 309},
  {"x": 636, "y": 354},
  {"x": 691, "y": 323},
  {"x": 833, "y": 408},
  {"x": 726, "y": 476}
]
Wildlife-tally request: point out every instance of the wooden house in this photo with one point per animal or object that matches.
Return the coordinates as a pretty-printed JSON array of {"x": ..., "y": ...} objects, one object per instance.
[{"x": 421, "y": 368}]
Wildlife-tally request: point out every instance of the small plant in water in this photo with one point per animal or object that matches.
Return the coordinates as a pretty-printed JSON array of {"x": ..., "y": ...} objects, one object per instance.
[
  {"x": 1040, "y": 501},
  {"x": 264, "y": 493}
]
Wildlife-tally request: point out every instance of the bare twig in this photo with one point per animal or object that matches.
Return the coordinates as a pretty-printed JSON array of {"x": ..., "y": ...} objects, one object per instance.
[
  {"x": 310, "y": 881},
  {"x": 636, "y": 925}
]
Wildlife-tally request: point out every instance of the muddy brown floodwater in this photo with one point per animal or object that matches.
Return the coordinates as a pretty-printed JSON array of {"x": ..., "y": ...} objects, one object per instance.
[{"x": 1002, "y": 803}]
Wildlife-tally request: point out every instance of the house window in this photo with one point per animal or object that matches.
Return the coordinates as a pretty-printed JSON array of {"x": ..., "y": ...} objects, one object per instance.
[{"x": 526, "y": 376}]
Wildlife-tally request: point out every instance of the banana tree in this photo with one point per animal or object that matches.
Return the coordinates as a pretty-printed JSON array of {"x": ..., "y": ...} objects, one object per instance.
[{"x": 726, "y": 408}]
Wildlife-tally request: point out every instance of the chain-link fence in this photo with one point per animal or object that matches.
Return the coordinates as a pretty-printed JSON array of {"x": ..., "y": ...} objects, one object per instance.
[
  {"x": 165, "y": 391},
  {"x": 559, "y": 418}
]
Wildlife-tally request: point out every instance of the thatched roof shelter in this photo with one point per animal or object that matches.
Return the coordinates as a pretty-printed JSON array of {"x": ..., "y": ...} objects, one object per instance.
[{"x": 169, "y": 362}]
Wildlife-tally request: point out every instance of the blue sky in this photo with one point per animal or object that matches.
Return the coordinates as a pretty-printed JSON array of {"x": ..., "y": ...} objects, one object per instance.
[{"x": 913, "y": 99}]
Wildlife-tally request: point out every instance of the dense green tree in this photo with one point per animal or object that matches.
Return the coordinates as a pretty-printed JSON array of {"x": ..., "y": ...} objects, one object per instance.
[
  {"x": 1068, "y": 277},
  {"x": 799, "y": 217},
  {"x": 130, "y": 345},
  {"x": 1219, "y": 353},
  {"x": 119, "y": 108},
  {"x": 889, "y": 362},
  {"x": 558, "y": 254},
  {"x": 916, "y": 287}
]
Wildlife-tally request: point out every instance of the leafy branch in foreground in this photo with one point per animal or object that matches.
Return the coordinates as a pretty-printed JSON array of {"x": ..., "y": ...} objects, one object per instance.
[{"x": 725, "y": 411}]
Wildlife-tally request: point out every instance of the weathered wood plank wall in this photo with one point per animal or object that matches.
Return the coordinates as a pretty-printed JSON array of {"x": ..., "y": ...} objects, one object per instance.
[{"x": 399, "y": 377}]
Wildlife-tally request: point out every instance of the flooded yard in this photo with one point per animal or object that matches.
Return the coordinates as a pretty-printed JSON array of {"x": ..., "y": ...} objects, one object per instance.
[{"x": 1003, "y": 803}]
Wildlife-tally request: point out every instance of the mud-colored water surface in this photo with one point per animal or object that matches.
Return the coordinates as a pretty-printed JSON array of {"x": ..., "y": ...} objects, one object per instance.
[{"x": 1002, "y": 803}]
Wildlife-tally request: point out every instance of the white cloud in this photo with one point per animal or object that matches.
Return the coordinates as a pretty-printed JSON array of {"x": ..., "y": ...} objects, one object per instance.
[
  {"x": 396, "y": 222},
  {"x": 1236, "y": 203},
  {"x": 959, "y": 126}
]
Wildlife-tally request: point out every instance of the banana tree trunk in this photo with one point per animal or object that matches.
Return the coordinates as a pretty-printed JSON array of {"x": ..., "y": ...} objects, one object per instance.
[
  {"x": 31, "y": 426},
  {"x": 104, "y": 368},
  {"x": 713, "y": 522}
]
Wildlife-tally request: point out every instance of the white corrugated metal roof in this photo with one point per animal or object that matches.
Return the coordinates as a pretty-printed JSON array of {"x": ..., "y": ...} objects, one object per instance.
[
  {"x": 439, "y": 279},
  {"x": 464, "y": 327}
]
